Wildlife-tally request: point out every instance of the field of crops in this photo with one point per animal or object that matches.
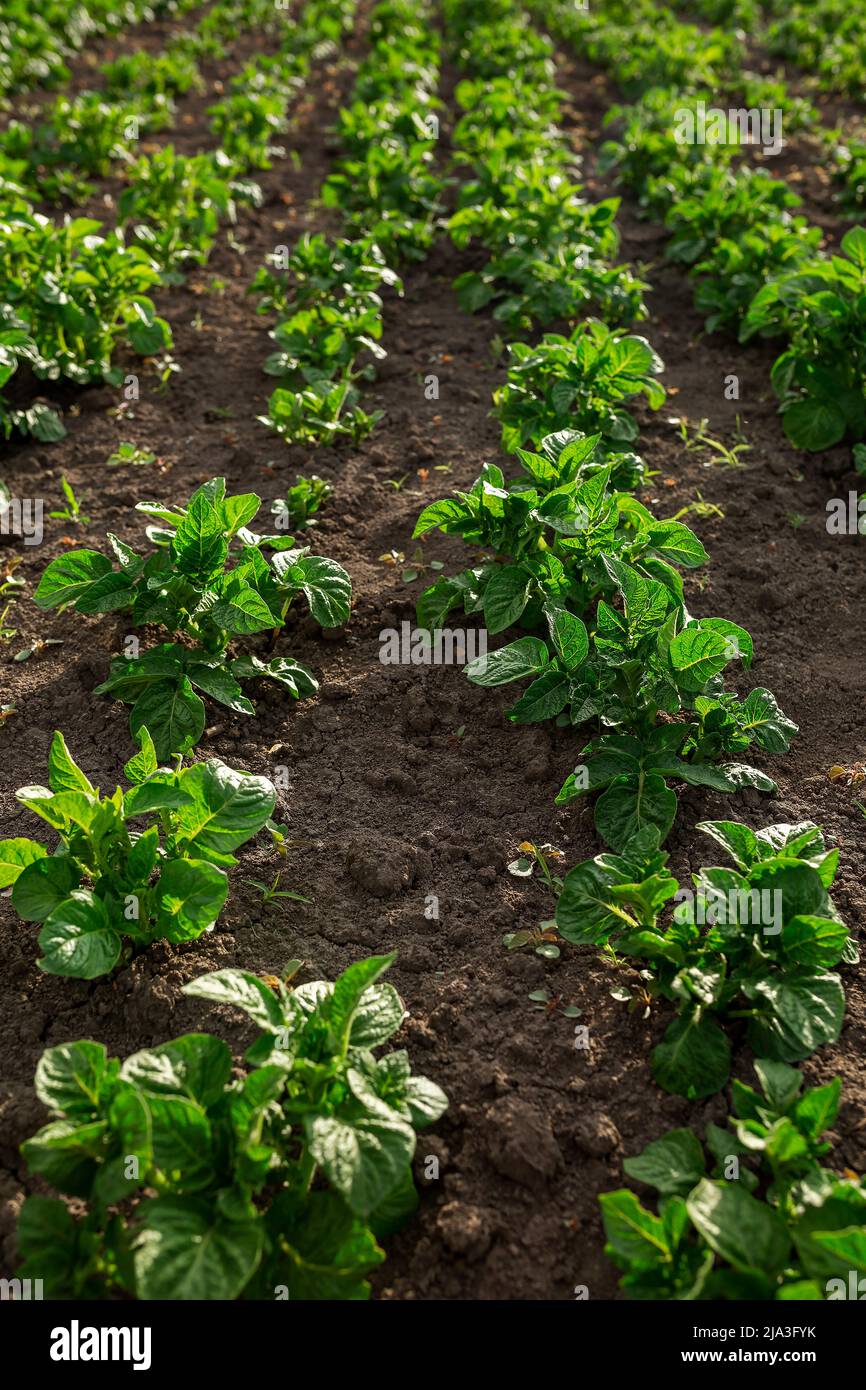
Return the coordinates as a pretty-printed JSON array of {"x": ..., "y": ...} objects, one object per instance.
[{"x": 485, "y": 926}]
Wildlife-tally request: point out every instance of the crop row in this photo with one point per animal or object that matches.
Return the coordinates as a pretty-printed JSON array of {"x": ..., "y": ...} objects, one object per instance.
[
  {"x": 35, "y": 44},
  {"x": 70, "y": 292},
  {"x": 387, "y": 193},
  {"x": 223, "y": 1166},
  {"x": 594, "y": 581},
  {"x": 756, "y": 264}
]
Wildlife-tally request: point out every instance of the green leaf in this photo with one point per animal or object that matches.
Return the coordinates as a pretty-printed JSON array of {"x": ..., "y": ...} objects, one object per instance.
[
  {"x": 64, "y": 774},
  {"x": 186, "y": 1251},
  {"x": 65, "y": 1153},
  {"x": 326, "y": 587},
  {"x": 363, "y": 1155},
  {"x": 780, "y": 1083},
  {"x": 144, "y": 763},
  {"x": 672, "y": 1164},
  {"x": 745, "y": 1232},
  {"x": 817, "y": 1109},
  {"x": 798, "y": 1013},
  {"x": 697, "y": 656},
  {"x": 73, "y": 1078},
  {"x": 190, "y": 895},
  {"x": 633, "y": 1233},
  {"x": 740, "y": 842},
  {"x": 515, "y": 661},
  {"x": 200, "y": 546},
  {"x": 814, "y": 424},
  {"x": 330, "y": 1251},
  {"x": 196, "y": 1066},
  {"x": 629, "y": 806},
  {"x": 349, "y": 989},
  {"x": 242, "y": 610},
  {"x": 677, "y": 543},
  {"x": 219, "y": 683},
  {"x": 814, "y": 941},
  {"x": 226, "y": 810},
  {"x": 569, "y": 637},
  {"x": 15, "y": 855},
  {"x": 586, "y": 911},
  {"x": 242, "y": 990},
  {"x": 43, "y": 886},
  {"x": 380, "y": 1013},
  {"x": 544, "y": 699},
  {"x": 694, "y": 1057},
  {"x": 77, "y": 938},
  {"x": 156, "y": 794},
  {"x": 765, "y": 722},
  {"x": 173, "y": 714},
  {"x": 505, "y": 597},
  {"x": 439, "y": 514},
  {"x": 69, "y": 577},
  {"x": 47, "y": 1239}
]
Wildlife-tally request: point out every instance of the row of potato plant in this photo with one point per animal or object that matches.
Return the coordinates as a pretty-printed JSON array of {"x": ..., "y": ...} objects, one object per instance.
[
  {"x": 758, "y": 267},
  {"x": 70, "y": 292},
  {"x": 387, "y": 191},
  {"x": 188, "y": 1178},
  {"x": 568, "y": 537},
  {"x": 36, "y": 44}
]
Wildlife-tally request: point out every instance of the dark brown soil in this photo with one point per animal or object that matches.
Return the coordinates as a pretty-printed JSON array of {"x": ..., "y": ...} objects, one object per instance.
[{"x": 408, "y": 781}]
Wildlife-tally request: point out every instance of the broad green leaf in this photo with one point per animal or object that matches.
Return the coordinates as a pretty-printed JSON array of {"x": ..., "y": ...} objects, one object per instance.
[
  {"x": 242, "y": 610},
  {"x": 764, "y": 721},
  {"x": 569, "y": 637},
  {"x": 747, "y": 1233},
  {"x": 627, "y": 808},
  {"x": 327, "y": 588},
  {"x": 517, "y": 660},
  {"x": 145, "y": 762},
  {"x": 632, "y": 1232},
  {"x": 43, "y": 886},
  {"x": 798, "y": 1012},
  {"x": 242, "y": 990},
  {"x": 190, "y": 895},
  {"x": 505, "y": 597},
  {"x": 72, "y": 1079},
  {"x": 15, "y": 855},
  {"x": 672, "y": 1164},
  {"x": 694, "y": 1057},
  {"x": 330, "y": 1252},
  {"x": 77, "y": 938},
  {"x": 186, "y": 1251},
  {"x": 586, "y": 910},
  {"x": 363, "y": 1153},
  {"x": 197, "y": 1066},
  {"x": 227, "y": 809},
  {"x": 173, "y": 714},
  {"x": 544, "y": 699},
  {"x": 70, "y": 576},
  {"x": 64, "y": 774}
]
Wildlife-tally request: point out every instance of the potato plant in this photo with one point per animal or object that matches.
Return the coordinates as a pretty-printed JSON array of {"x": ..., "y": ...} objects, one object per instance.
[
  {"x": 595, "y": 581},
  {"x": 756, "y": 942},
  {"x": 209, "y": 580},
  {"x": 204, "y": 1182},
  {"x": 110, "y": 887},
  {"x": 754, "y": 1213}
]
